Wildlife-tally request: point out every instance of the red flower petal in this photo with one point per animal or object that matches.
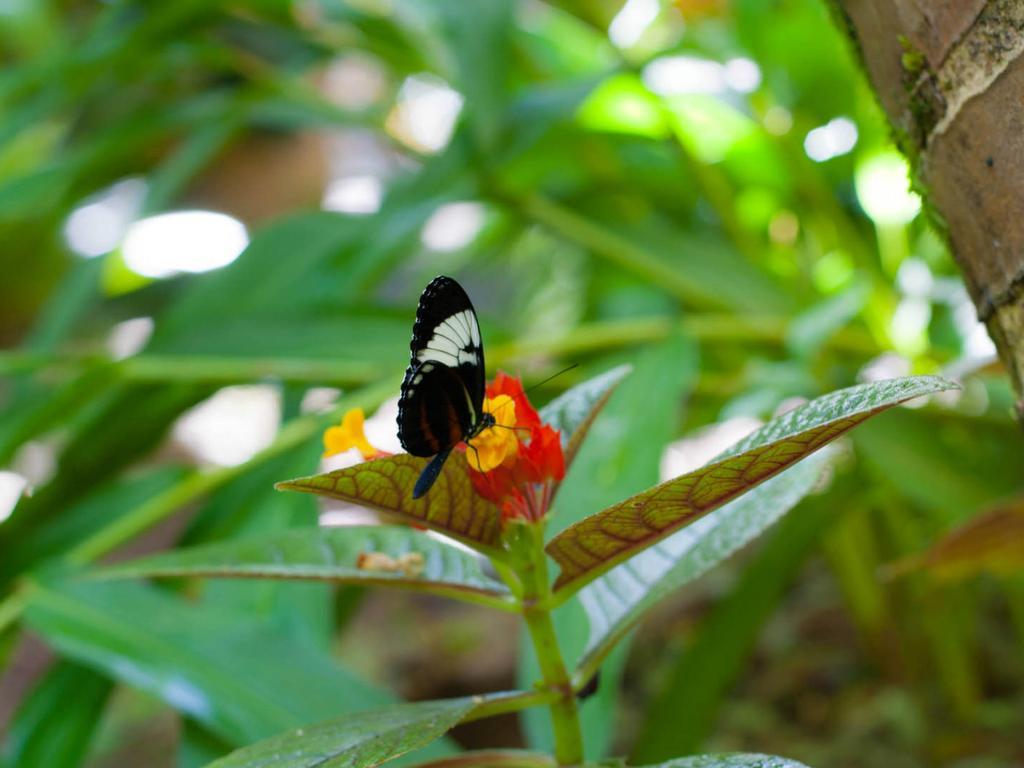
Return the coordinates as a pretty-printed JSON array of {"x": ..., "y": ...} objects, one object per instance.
[
  {"x": 545, "y": 450},
  {"x": 504, "y": 384},
  {"x": 539, "y": 458}
]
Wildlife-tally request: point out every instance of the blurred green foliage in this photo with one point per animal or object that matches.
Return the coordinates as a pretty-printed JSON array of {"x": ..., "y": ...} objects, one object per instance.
[{"x": 617, "y": 208}]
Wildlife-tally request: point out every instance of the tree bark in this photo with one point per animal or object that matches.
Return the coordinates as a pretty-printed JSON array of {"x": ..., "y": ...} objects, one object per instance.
[{"x": 950, "y": 76}]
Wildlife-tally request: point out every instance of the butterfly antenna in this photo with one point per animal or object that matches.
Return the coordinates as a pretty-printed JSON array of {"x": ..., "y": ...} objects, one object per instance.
[{"x": 542, "y": 382}]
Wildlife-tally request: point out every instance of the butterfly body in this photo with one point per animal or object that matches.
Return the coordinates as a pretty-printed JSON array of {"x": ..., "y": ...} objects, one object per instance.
[{"x": 443, "y": 391}]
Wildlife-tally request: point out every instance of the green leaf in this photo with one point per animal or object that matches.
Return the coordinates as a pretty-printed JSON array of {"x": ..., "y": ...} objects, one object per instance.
[
  {"x": 96, "y": 453},
  {"x": 704, "y": 271},
  {"x": 598, "y": 543},
  {"x": 479, "y": 46},
  {"x": 617, "y": 600},
  {"x": 56, "y": 721},
  {"x": 74, "y": 297},
  {"x": 813, "y": 327},
  {"x": 259, "y": 282},
  {"x": 244, "y": 680},
  {"x": 493, "y": 758},
  {"x": 197, "y": 746},
  {"x": 573, "y": 412},
  {"x": 193, "y": 154},
  {"x": 332, "y": 554},
  {"x": 246, "y": 508},
  {"x": 451, "y": 506},
  {"x": 77, "y": 522},
  {"x": 621, "y": 104},
  {"x": 624, "y": 443},
  {"x": 922, "y": 459},
  {"x": 356, "y": 740},
  {"x": 730, "y": 761}
]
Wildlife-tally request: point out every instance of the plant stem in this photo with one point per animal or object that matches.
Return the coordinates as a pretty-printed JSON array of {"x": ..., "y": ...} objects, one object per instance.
[
  {"x": 199, "y": 368},
  {"x": 11, "y": 608},
  {"x": 614, "y": 248},
  {"x": 510, "y": 758},
  {"x": 499, "y": 704},
  {"x": 585, "y": 339},
  {"x": 565, "y": 719}
]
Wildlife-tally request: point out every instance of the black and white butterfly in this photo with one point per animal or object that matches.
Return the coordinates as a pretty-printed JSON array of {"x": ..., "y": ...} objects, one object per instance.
[{"x": 443, "y": 390}]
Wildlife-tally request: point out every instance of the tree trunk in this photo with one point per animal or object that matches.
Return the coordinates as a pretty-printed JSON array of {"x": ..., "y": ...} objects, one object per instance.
[{"x": 950, "y": 76}]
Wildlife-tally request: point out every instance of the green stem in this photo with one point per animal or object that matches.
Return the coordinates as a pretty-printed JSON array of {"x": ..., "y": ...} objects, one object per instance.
[
  {"x": 605, "y": 335},
  {"x": 614, "y": 248},
  {"x": 565, "y": 719},
  {"x": 199, "y": 368},
  {"x": 513, "y": 702},
  {"x": 508, "y": 758},
  {"x": 585, "y": 339},
  {"x": 11, "y": 608}
]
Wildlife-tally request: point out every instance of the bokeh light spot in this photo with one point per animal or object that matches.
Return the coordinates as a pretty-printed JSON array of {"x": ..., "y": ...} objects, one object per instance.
[{"x": 183, "y": 241}]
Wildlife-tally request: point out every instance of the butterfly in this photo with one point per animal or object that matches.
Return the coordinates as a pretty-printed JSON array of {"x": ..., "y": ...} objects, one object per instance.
[{"x": 443, "y": 391}]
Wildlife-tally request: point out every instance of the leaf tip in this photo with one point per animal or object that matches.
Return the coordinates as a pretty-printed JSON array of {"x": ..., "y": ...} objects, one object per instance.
[{"x": 295, "y": 484}]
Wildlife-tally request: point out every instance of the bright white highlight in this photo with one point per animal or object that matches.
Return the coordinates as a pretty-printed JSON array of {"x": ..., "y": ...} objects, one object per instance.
[
  {"x": 977, "y": 343},
  {"x": 453, "y": 226},
  {"x": 35, "y": 462},
  {"x": 883, "y": 189},
  {"x": 183, "y": 241},
  {"x": 98, "y": 226},
  {"x": 915, "y": 278},
  {"x": 232, "y": 426},
  {"x": 354, "y": 194},
  {"x": 382, "y": 428},
  {"x": 12, "y": 486},
  {"x": 319, "y": 399},
  {"x": 632, "y": 21},
  {"x": 673, "y": 75},
  {"x": 909, "y": 326},
  {"x": 742, "y": 75},
  {"x": 835, "y": 138},
  {"x": 128, "y": 338},
  {"x": 425, "y": 114}
]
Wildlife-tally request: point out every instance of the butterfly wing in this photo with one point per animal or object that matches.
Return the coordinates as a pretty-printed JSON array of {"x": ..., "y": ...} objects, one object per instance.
[
  {"x": 434, "y": 413},
  {"x": 446, "y": 331},
  {"x": 443, "y": 391}
]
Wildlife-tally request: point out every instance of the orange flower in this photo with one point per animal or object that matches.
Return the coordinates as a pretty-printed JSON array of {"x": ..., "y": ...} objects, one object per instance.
[
  {"x": 522, "y": 481},
  {"x": 349, "y": 434}
]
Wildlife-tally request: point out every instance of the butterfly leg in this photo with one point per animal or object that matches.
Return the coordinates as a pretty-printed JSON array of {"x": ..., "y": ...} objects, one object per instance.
[
  {"x": 476, "y": 453},
  {"x": 429, "y": 474}
]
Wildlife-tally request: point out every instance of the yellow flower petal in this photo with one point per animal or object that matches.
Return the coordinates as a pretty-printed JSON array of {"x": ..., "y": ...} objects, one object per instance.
[
  {"x": 498, "y": 444},
  {"x": 349, "y": 434}
]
